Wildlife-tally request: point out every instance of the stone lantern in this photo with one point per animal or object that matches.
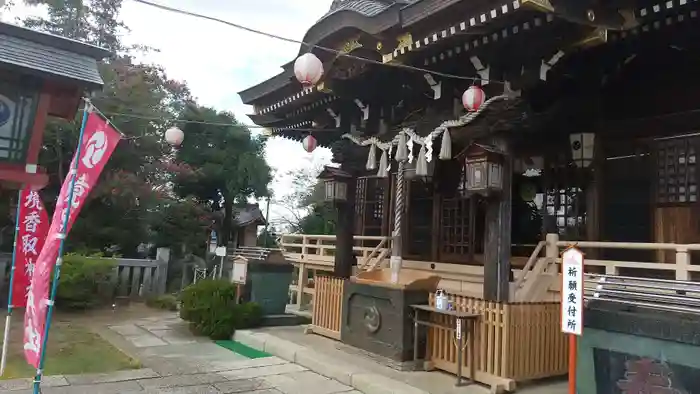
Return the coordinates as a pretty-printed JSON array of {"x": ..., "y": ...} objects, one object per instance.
[{"x": 484, "y": 165}]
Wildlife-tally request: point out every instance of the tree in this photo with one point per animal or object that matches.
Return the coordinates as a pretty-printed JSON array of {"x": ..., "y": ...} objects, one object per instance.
[
  {"x": 267, "y": 238},
  {"x": 134, "y": 191},
  {"x": 306, "y": 210},
  {"x": 228, "y": 163}
]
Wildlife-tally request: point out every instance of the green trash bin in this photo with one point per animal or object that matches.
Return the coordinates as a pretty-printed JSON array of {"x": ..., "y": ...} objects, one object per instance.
[{"x": 268, "y": 276}]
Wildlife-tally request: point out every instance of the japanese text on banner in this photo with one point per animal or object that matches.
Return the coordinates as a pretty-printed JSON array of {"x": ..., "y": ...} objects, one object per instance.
[
  {"x": 98, "y": 142},
  {"x": 33, "y": 224},
  {"x": 572, "y": 292}
]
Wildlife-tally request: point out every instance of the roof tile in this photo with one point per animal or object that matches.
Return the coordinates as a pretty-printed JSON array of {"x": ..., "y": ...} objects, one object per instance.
[{"x": 46, "y": 59}]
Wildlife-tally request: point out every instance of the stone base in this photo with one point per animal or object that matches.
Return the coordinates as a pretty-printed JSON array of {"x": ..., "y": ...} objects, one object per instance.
[
  {"x": 285, "y": 320},
  {"x": 379, "y": 320}
]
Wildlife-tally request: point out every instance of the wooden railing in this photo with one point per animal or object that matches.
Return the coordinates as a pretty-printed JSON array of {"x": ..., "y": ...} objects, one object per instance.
[
  {"x": 541, "y": 281},
  {"x": 313, "y": 254},
  {"x": 513, "y": 342}
]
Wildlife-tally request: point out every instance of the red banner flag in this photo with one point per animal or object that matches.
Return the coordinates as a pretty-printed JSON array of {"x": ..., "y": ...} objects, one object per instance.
[
  {"x": 98, "y": 142},
  {"x": 33, "y": 223}
]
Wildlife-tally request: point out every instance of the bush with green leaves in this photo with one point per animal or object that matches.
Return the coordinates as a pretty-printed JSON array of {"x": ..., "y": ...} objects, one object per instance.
[
  {"x": 210, "y": 307},
  {"x": 84, "y": 282}
]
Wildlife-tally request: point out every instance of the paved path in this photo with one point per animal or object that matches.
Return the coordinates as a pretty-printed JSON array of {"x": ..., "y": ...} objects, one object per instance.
[{"x": 178, "y": 363}]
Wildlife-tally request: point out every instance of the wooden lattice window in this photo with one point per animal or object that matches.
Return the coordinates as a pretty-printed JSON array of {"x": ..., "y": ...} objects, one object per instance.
[
  {"x": 458, "y": 220},
  {"x": 419, "y": 226},
  {"x": 565, "y": 200},
  {"x": 371, "y": 206},
  {"x": 677, "y": 177}
]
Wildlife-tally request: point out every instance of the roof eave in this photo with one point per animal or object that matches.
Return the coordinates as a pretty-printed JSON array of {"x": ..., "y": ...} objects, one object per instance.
[{"x": 67, "y": 44}]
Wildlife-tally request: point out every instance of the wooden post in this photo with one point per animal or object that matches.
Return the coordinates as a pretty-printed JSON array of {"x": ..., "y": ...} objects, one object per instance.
[
  {"x": 345, "y": 229},
  {"x": 301, "y": 284},
  {"x": 497, "y": 247},
  {"x": 572, "y": 363}
]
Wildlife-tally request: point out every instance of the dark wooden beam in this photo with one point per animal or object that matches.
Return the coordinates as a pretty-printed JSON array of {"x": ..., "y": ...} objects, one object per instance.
[
  {"x": 497, "y": 270},
  {"x": 352, "y": 160},
  {"x": 345, "y": 233}
]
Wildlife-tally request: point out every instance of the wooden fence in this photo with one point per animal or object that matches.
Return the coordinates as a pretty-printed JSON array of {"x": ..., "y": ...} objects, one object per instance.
[
  {"x": 140, "y": 278},
  {"x": 328, "y": 306},
  {"x": 132, "y": 278},
  {"x": 513, "y": 342}
]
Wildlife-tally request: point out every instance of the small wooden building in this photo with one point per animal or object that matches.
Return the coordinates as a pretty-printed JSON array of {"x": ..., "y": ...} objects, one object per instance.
[
  {"x": 591, "y": 105},
  {"x": 41, "y": 75}
]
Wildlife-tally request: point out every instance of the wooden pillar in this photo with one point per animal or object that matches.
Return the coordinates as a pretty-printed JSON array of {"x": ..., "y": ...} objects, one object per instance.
[
  {"x": 345, "y": 232},
  {"x": 497, "y": 270},
  {"x": 352, "y": 159}
]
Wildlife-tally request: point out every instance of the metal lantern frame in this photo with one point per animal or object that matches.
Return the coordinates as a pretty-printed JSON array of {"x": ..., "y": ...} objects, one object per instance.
[
  {"x": 484, "y": 170},
  {"x": 335, "y": 184}
]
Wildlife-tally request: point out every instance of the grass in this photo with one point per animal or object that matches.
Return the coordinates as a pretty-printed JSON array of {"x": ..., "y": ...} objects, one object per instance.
[
  {"x": 242, "y": 349},
  {"x": 72, "y": 349}
]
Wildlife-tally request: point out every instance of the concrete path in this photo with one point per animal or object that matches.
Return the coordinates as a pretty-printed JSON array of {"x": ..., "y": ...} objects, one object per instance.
[{"x": 178, "y": 363}]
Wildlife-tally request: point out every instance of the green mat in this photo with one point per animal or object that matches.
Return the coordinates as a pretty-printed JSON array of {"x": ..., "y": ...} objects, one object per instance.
[{"x": 242, "y": 349}]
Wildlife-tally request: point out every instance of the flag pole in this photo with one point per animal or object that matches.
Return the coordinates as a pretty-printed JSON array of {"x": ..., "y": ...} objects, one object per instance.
[
  {"x": 8, "y": 318},
  {"x": 59, "y": 260}
]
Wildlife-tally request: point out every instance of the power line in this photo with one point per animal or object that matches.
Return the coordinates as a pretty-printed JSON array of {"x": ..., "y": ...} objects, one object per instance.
[
  {"x": 290, "y": 40},
  {"x": 110, "y": 115}
]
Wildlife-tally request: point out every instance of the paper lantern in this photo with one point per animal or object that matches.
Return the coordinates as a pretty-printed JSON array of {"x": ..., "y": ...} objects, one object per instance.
[
  {"x": 309, "y": 143},
  {"x": 473, "y": 98},
  {"x": 174, "y": 136},
  {"x": 308, "y": 69}
]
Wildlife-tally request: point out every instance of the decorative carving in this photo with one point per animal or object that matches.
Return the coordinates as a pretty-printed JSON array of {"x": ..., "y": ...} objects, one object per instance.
[
  {"x": 404, "y": 41},
  {"x": 350, "y": 46},
  {"x": 598, "y": 37},
  {"x": 373, "y": 319},
  {"x": 539, "y": 5},
  {"x": 321, "y": 87}
]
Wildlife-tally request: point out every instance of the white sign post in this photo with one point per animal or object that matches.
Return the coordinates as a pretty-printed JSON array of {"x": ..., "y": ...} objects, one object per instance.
[
  {"x": 572, "y": 292},
  {"x": 572, "y": 305}
]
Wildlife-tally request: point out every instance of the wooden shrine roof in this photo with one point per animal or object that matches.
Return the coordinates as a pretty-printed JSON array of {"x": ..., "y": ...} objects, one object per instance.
[{"x": 48, "y": 55}]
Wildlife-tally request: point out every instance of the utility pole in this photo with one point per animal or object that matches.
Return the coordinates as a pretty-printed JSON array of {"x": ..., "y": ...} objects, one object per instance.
[{"x": 267, "y": 221}]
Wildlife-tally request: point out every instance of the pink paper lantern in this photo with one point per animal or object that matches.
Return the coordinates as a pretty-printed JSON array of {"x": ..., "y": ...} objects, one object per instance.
[
  {"x": 473, "y": 98},
  {"x": 308, "y": 69},
  {"x": 309, "y": 143}
]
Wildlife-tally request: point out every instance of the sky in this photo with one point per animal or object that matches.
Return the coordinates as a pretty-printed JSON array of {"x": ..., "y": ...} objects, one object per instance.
[{"x": 217, "y": 61}]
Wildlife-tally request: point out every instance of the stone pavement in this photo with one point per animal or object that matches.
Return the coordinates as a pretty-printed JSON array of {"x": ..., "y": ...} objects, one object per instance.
[
  {"x": 354, "y": 368},
  {"x": 178, "y": 363}
]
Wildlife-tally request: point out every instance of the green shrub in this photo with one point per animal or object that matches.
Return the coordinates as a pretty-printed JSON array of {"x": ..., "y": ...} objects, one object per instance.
[
  {"x": 249, "y": 315},
  {"x": 210, "y": 307},
  {"x": 165, "y": 301},
  {"x": 84, "y": 282}
]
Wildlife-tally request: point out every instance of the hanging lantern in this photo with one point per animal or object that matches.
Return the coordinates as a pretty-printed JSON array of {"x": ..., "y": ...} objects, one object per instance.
[
  {"x": 174, "y": 136},
  {"x": 582, "y": 148},
  {"x": 473, "y": 98},
  {"x": 309, "y": 143},
  {"x": 484, "y": 167},
  {"x": 308, "y": 69}
]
